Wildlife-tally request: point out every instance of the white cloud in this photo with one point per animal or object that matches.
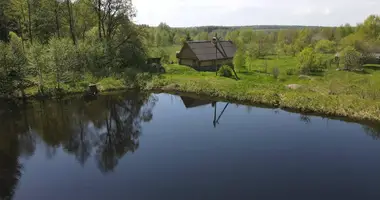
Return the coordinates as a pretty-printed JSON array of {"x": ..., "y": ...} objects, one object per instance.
[
  {"x": 252, "y": 12},
  {"x": 327, "y": 11}
]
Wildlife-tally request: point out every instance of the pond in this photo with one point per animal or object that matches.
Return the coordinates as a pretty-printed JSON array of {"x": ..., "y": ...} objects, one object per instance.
[{"x": 162, "y": 146}]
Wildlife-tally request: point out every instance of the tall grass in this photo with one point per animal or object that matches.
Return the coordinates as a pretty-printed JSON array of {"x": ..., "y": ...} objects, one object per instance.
[{"x": 332, "y": 92}]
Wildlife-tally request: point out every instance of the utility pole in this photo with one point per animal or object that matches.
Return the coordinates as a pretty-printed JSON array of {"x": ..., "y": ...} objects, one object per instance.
[{"x": 215, "y": 42}]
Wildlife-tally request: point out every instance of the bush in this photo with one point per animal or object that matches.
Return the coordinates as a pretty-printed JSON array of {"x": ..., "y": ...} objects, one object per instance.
[
  {"x": 291, "y": 72},
  {"x": 275, "y": 72},
  {"x": 39, "y": 63},
  {"x": 350, "y": 59},
  {"x": 310, "y": 61},
  {"x": 13, "y": 66},
  {"x": 325, "y": 46},
  {"x": 225, "y": 71}
]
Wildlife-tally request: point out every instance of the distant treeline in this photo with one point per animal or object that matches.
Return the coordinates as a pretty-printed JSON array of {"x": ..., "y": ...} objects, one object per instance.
[{"x": 50, "y": 45}]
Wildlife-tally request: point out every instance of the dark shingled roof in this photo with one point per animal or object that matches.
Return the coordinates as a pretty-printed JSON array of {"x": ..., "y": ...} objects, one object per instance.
[
  {"x": 191, "y": 102},
  {"x": 205, "y": 50}
]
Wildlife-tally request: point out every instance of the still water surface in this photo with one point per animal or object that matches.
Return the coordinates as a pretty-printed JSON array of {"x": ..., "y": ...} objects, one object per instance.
[{"x": 161, "y": 146}]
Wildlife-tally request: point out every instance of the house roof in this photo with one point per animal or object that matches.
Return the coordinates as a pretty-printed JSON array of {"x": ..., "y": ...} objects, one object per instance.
[
  {"x": 191, "y": 102},
  {"x": 205, "y": 50}
]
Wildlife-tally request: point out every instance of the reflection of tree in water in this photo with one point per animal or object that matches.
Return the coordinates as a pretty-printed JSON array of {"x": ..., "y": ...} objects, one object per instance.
[
  {"x": 15, "y": 141},
  {"x": 108, "y": 127},
  {"x": 122, "y": 129},
  {"x": 304, "y": 118},
  {"x": 372, "y": 130}
]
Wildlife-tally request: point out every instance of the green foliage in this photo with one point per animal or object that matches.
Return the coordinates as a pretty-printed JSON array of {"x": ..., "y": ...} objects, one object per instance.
[
  {"x": 371, "y": 27},
  {"x": 13, "y": 66},
  {"x": 62, "y": 54},
  {"x": 246, "y": 35},
  {"x": 276, "y": 72},
  {"x": 202, "y": 36},
  {"x": 225, "y": 71},
  {"x": 291, "y": 71},
  {"x": 325, "y": 46},
  {"x": 310, "y": 61},
  {"x": 160, "y": 53},
  {"x": 258, "y": 49},
  {"x": 239, "y": 61},
  {"x": 39, "y": 63},
  {"x": 350, "y": 59}
]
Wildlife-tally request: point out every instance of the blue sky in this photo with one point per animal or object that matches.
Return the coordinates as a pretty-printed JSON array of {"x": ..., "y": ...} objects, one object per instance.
[{"x": 179, "y": 13}]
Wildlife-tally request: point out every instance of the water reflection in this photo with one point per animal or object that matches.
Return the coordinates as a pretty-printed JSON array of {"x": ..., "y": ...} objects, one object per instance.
[
  {"x": 106, "y": 129},
  {"x": 14, "y": 142},
  {"x": 372, "y": 130},
  {"x": 191, "y": 102}
]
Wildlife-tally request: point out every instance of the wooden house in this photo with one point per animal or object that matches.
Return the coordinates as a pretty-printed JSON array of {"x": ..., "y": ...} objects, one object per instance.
[{"x": 206, "y": 55}]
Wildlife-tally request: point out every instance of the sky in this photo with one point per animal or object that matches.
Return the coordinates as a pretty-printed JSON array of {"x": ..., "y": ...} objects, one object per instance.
[{"x": 185, "y": 13}]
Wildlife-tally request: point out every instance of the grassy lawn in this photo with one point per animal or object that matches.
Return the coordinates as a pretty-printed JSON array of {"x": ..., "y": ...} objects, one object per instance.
[{"x": 341, "y": 93}]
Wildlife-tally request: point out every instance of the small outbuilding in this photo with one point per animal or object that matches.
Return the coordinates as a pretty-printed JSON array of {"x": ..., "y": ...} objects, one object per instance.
[{"x": 206, "y": 55}]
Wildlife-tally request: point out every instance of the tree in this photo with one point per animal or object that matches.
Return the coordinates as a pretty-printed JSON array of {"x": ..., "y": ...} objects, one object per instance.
[
  {"x": 85, "y": 17},
  {"x": 114, "y": 13},
  {"x": 39, "y": 63},
  {"x": 358, "y": 42},
  {"x": 310, "y": 61},
  {"x": 325, "y": 46},
  {"x": 327, "y": 33},
  {"x": 4, "y": 20},
  {"x": 239, "y": 61},
  {"x": 246, "y": 35},
  {"x": 30, "y": 22},
  {"x": 350, "y": 59},
  {"x": 258, "y": 49},
  {"x": 371, "y": 27},
  {"x": 188, "y": 37},
  {"x": 202, "y": 36},
  {"x": 13, "y": 66},
  {"x": 60, "y": 54},
  {"x": 233, "y": 35},
  {"x": 303, "y": 40},
  {"x": 71, "y": 21}
]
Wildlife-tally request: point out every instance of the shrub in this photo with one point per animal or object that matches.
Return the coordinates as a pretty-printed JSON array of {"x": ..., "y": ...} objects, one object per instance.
[
  {"x": 325, "y": 46},
  {"x": 39, "y": 63},
  {"x": 350, "y": 59},
  {"x": 225, "y": 71},
  {"x": 13, "y": 66},
  {"x": 291, "y": 71},
  {"x": 310, "y": 61},
  {"x": 61, "y": 53},
  {"x": 275, "y": 72}
]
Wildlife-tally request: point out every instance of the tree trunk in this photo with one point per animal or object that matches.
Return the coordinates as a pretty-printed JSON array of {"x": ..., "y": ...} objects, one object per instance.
[
  {"x": 30, "y": 23},
  {"x": 57, "y": 19},
  {"x": 100, "y": 19},
  {"x": 68, "y": 3},
  {"x": 84, "y": 31},
  {"x": 21, "y": 35},
  {"x": 40, "y": 80}
]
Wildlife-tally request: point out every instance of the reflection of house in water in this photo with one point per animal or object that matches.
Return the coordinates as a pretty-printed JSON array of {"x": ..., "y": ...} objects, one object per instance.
[{"x": 190, "y": 102}]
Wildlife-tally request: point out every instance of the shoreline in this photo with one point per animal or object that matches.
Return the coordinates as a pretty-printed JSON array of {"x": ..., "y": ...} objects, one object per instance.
[
  {"x": 343, "y": 107},
  {"x": 335, "y": 106}
]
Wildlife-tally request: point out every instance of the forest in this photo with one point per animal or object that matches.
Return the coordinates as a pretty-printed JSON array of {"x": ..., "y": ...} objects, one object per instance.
[{"x": 51, "y": 47}]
